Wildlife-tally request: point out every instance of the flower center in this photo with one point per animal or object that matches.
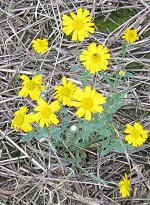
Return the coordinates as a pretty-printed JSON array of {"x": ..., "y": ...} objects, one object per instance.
[
  {"x": 31, "y": 85},
  {"x": 65, "y": 91},
  {"x": 46, "y": 112},
  {"x": 18, "y": 119},
  {"x": 131, "y": 35},
  {"x": 78, "y": 24},
  {"x": 40, "y": 44},
  {"x": 135, "y": 134},
  {"x": 96, "y": 58},
  {"x": 87, "y": 103}
]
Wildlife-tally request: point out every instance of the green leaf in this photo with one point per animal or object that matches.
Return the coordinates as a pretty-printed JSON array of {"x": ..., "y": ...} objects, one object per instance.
[
  {"x": 84, "y": 78},
  {"x": 124, "y": 49},
  {"x": 105, "y": 116},
  {"x": 56, "y": 131},
  {"x": 76, "y": 68},
  {"x": 26, "y": 137},
  {"x": 74, "y": 161},
  {"x": 97, "y": 179},
  {"x": 128, "y": 147},
  {"x": 37, "y": 133},
  {"x": 112, "y": 109},
  {"x": 119, "y": 95},
  {"x": 41, "y": 133},
  {"x": 103, "y": 133},
  {"x": 65, "y": 122},
  {"x": 39, "y": 72},
  {"x": 129, "y": 75},
  {"x": 37, "y": 56},
  {"x": 114, "y": 102},
  {"x": 107, "y": 150},
  {"x": 63, "y": 110},
  {"x": 70, "y": 139},
  {"x": 118, "y": 147}
]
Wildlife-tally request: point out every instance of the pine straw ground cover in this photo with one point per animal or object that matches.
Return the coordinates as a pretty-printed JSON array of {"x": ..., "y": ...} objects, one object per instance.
[{"x": 42, "y": 171}]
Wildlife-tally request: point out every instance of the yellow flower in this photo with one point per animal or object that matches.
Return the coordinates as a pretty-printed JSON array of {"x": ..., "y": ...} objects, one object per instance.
[
  {"x": 122, "y": 73},
  {"x": 31, "y": 87},
  {"x": 22, "y": 121},
  {"x": 95, "y": 58},
  {"x": 79, "y": 24},
  {"x": 88, "y": 101},
  {"x": 124, "y": 185},
  {"x": 64, "y": 92},
  {"x": 40, "y": 45},
  {"x": 45, "y": 113},
  {"x": 136, "y": 135},
  {"x": 130, "y": 35}
]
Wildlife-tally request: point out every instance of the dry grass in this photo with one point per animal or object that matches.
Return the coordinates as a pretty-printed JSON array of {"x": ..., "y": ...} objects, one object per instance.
[{"x": 32, "y": 173}]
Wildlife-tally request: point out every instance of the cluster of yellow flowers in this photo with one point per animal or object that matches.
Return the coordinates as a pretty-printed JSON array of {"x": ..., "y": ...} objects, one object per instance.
[
  {"x": 95, "y": 58},
  {"x": 87, "y": 101}
]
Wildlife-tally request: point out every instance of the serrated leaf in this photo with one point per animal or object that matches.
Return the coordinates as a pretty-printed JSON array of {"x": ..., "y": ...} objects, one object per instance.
[
  {"x": 107, "y": 150},
  {"x": 41, "y": 135},
  {"x": 104, "y": 132},
  {"x": 118, "y": 147},
  {"x": 84, "y": 78},
  {"x": 56, "y": 132},
  {"x": 112, "y": 109},
  {"x": 65, "y": 122},
  {"x": 114, "y": 102},
  {"x": 63, "y": 110}
]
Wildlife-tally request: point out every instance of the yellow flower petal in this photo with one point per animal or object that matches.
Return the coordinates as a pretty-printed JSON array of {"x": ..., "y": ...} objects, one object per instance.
[
  {"x": 85, "y": 14},
  {"x": 23, "y": 92},
  {"x": 54, "y": 119},
  {"x": 88, "y": 115},
  {"x": 80, "y": 112},
  {"x": 25, "y": 78},
  {"x": 75, "y": 35},
  {"x": 64, "y": 81},
  {"x": 42, "y": 123},
  {"x": 87, "y": 91},
  {"x": 26, "y": 127},
  {"x": 73, "y": 16},
  {"x": 79, "y": 13},
  {"x": 66, "y": 20},
  {"x": 37, "y": 79}
]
